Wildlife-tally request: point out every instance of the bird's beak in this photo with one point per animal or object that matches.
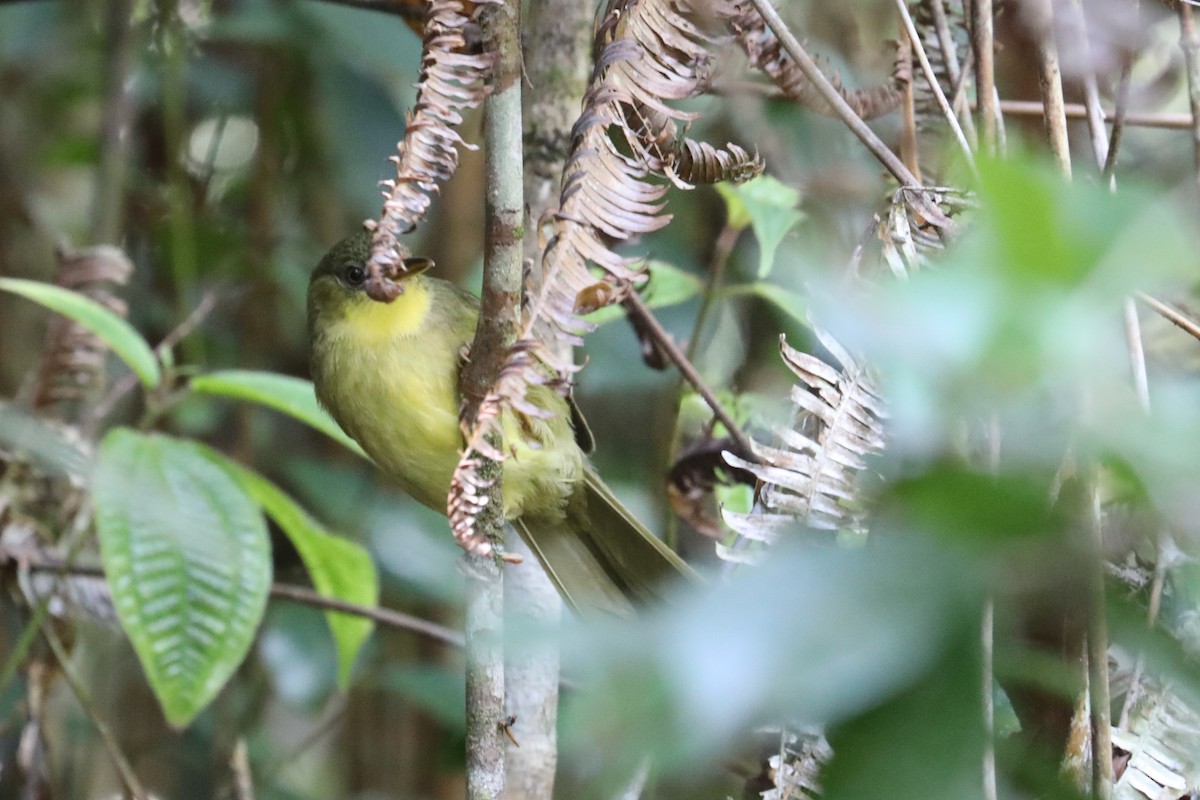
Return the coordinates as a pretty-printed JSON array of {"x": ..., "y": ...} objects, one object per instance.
[{"x": 417, "y": 265}]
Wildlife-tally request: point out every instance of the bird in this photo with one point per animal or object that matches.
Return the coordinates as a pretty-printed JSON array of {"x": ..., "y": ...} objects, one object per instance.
[{"x": 387, "y": 372}]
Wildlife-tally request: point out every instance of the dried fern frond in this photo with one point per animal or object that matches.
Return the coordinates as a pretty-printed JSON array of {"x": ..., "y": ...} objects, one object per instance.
[
  {"x": 766, "y": 53},
  {"x": 796, "y": 768},
  {"x": 73, "y": 358},
  {"x": 626, "y": 151},
  {"x": 451, "y": 82},
  {"x": 1162, "y": 743},
  {"x": 907, "y": 239},
  {"x": 929, "y": 114},
  {"x": 812, "y": 477}
]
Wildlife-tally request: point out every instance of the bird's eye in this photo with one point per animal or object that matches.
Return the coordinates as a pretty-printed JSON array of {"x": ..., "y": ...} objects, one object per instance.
[{"x": 354, "y": 274}]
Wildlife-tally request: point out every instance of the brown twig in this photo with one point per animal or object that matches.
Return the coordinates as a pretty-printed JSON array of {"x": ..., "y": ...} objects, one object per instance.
[
  {"x": 1189, "y": 42},
  {"x": 382, "y": 616},
  {"x": 1167, "y": 120},
  {"x": 239, "y": 765},
  {"x": 1121, "y": 109},
  {"x": 1173, "y": 315},
  {"x": 931, "y": 77},
  {"x": 983, "y": 46},
  {"x": 909, "y": 152},
  {"x": 1091, "y": 91},
  {"x": 1050, "y": 83},
  {"x": 954, "y": 70},
  {"x": 129, "y": 381},
  {"x": 664, "y": 340}
]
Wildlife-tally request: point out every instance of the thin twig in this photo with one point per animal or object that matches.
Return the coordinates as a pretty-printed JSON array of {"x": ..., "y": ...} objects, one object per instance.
[
  {"x": 722, "y": 250},
  {"x": 664, "y": 340},
  {"x": 1137, "y": 361},
  {"x": 129, "y": 381},
  {"x": 1190, "y": 44},
  {"x": 1178, "y": 318},
  {"x": 1122, "y": 104},
  {"x": 128, "y": 777},
  {"x": 983, "y": 45},
  {"x": 117, "y": 112},
  {"x": 954, "y": 70},
  {"x": 1091, "y": 91},
  {"x": 1145, "y": 119},
  {"x": 414, "y": 12},
  {"x": 239, "y": 765},
  {"x": 1137, "y": 354},
  {"x": 987, "y": 642},
  {"x": 843, "y": 110},
  {"x": 42, "y": 562},
  {"x": 908, "y": 128},
  {"x": 931, "y": 77},
  {"x": 1097, "y": 646},
  {"x": 382, "y": 616}
]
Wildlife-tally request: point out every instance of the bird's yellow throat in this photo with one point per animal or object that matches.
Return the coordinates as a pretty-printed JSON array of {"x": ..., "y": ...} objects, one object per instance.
[{"x": 370, "y": 322}]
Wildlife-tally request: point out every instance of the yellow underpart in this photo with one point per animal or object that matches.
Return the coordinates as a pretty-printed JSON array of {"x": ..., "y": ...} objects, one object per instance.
[{"x": 369, "y": 322}]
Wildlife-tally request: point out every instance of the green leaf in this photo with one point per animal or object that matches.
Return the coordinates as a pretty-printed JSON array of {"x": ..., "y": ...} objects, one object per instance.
[
  {"x": 118, "y": 334},
  {"x": 668, "y": 285},
  {"x": 339, "y": 568},
  {"x": 791, "y": 303},
  {"x": 766, "y": 205},
  {"x": 188, "y": 560},
  {"x": 292, "y": 396},
  {"x": 52, "y": 446}
]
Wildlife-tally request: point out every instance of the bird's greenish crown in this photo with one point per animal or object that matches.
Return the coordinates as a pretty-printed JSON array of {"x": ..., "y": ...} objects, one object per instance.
[{"x": 338, "y": 282}]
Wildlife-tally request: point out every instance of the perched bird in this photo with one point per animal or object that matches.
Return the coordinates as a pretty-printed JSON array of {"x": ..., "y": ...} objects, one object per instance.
[{"x": 388, "y": 373}]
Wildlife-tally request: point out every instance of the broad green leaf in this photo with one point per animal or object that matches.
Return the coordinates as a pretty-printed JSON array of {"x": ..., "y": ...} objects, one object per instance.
[
  {"x": 339, "y": 568},
  {"x": 769, "y": 207},
  {"x": 188, "y": 560},
  {"x": 118, "y": 334},
  {"x": 668, "y": 285},
  {"x": 292, "y": 396}
]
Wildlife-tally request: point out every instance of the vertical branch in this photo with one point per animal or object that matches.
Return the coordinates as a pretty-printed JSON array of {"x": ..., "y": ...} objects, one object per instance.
[
  {"x": 908, "y": 127},
  {"x": 1091, "y": 91},
  {"x": 496, "y": 330},
  {"x": 918, "y": 49},
  {"x": 558, "y": 40},
  {"x": 1050, "y": 80},
  {"x": 988, "y": 691},
  {"x": 1097, "y": 651},
  {"x": 181, "y": 234},
  {"x": 983, "y": 44},
  {"x": 1122, "y": 105},
  {"x": 1189, "y": 42},
  {"x": 954, "y": 70},
  {"x": 109, "y": 203}
]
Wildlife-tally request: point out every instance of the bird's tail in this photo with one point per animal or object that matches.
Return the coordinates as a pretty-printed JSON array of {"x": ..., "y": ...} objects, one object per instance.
[{"x": 600, "y": 558}]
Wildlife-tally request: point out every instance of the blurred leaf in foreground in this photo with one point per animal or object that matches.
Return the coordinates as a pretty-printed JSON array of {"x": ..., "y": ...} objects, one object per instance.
[{"x": 814, "y": 635}]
